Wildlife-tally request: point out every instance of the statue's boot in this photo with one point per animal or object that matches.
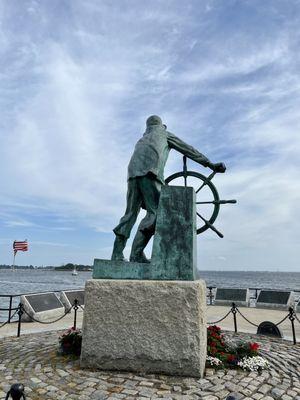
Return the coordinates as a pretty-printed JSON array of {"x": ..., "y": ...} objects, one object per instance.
[
  {"x": 137, "y": 250},
  {"x": 119, "y": 246}
]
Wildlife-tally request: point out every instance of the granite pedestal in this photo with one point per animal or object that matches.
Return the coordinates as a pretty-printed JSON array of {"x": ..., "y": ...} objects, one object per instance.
[
  {"x": 150, "y": 318},
  {"x": 145, "y": 326}
]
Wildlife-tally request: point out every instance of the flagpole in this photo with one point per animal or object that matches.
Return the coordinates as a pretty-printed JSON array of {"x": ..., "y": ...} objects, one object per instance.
[{"x": 13, "y": 266}]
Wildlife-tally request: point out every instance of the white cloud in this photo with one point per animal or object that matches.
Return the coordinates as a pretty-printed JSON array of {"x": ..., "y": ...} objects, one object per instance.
[{"x": 74, "y": 101}]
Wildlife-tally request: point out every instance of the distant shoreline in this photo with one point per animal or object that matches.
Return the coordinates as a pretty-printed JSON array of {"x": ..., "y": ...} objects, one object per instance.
[{"x": 90, "y": 268}]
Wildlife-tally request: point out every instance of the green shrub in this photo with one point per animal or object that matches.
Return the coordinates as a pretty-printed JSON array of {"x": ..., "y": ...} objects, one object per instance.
[{"x": 70, "y": 342}]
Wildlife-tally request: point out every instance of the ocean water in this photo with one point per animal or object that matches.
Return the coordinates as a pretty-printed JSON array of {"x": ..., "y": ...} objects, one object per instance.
[
  {"x": 253, "y": 279},
  {"x": 30, "y": 281}
]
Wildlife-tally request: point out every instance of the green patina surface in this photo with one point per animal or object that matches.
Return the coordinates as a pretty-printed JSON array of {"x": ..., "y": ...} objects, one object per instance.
[
  {"x": 174, "y": 247},
  {"x": 107, "y": 269}
]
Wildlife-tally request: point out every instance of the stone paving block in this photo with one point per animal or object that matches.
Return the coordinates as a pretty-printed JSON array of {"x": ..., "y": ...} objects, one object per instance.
[
  {"x": 257, "y": 396},
  {"x": 99, "y": 386},
  {"x": 99, "y": 395},
  {"x": 264, "y": 389}
]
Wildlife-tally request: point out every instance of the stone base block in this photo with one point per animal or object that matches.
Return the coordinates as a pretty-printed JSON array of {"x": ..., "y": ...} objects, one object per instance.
[{"x": 145, "y": 326}]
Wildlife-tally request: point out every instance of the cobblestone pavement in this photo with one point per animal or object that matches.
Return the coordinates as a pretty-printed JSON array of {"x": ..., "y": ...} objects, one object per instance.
[{"x": 33, "y": 361}]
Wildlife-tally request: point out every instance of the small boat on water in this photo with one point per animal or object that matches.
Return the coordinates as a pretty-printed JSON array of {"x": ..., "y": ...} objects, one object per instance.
[{"x": 74, "y": 272}]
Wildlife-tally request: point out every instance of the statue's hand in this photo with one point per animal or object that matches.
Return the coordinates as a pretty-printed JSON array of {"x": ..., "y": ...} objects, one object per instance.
[{"x": 218, "y": 167}]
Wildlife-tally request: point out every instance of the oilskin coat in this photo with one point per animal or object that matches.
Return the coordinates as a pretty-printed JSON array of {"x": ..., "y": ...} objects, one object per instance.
[{"x": 146, "y": 176}]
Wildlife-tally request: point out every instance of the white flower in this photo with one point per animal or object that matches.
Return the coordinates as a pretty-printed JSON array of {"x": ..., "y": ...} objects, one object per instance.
[
  {"x": 256, "y": 363},
  {"x": 213, "y": 361}
]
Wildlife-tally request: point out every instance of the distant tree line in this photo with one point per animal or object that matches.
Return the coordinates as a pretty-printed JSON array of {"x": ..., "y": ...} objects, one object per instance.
[
  {"x": 70, "y": 267},
  {"x": 5, "y": 266},
  {"x": 66, "y": 267}
]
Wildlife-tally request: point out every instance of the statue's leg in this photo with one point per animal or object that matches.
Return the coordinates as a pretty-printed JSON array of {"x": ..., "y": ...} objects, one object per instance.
[
  {"x": 139, "y": 243},
  {"x": 150, "y": 189},
  {"x": 119, "y": 246},
  {"x": 122, "y": 231}
]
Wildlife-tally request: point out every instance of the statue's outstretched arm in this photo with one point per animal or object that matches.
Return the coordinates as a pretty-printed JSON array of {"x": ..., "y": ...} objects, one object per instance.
[
  {"x": 193, "y": 154},
  {"x": 187, "y": 150}
]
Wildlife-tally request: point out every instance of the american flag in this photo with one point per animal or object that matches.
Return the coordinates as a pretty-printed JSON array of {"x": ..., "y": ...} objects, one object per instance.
[{"x": 20, "y": 246}]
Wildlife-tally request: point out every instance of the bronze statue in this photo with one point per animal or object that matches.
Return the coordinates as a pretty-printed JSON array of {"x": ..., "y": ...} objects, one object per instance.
[{"x": 145, "y": 178}]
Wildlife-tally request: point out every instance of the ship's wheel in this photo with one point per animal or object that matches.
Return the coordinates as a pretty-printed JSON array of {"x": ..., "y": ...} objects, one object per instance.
[{"x": 210, "y": 200}]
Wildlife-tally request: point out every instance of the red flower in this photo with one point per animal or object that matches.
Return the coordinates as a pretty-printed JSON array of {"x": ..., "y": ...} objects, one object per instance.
[
  {"x": 230, "y": 358},
  {"x": 254, "y": 346}
]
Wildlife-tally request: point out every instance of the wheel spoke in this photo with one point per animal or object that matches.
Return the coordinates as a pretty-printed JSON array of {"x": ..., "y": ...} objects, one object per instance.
[
  {"x": 207, "y": 202},
  {"x": 217, "y": 202},
  {"x": 185, "y": 171},
  {"x": 211, "y": 226},
  {"x": 203, "y": 184},
  {"x": 209, "y": 178},
  {"x": 228, "y": 201}
]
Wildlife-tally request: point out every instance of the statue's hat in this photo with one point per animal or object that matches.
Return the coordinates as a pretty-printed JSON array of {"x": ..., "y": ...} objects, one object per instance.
[{"x": 154, "y": 120}]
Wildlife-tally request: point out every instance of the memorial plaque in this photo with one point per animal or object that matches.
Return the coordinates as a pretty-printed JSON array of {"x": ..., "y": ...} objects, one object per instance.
[
  {"x": 75, "y": 294},
  {"x": 267, "y": 328},
  {"x": 231, "y": 294},
  {"x": 67, "y": 297},
  {"x": 41, "y": 307},
  {"x": 43, "y": 302},
  {"x": 273, "y": 297},
  {"x": 227, "y": 296}
]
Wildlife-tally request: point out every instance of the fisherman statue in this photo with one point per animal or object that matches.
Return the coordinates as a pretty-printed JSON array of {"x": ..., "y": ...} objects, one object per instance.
[{"x": 145, "y": 179}]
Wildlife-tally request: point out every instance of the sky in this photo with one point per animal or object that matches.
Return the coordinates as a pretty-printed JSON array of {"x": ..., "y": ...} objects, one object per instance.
[{"x": 78, "y": 80}]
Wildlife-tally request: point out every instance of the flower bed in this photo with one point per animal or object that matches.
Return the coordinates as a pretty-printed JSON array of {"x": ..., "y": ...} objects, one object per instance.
[
  {"x": 225, "y": 353},
  {"x": 70, "y": 342}
]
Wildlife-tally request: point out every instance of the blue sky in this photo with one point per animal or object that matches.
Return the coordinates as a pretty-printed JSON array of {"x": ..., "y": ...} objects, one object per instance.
[{"x": 79, "y": 78}]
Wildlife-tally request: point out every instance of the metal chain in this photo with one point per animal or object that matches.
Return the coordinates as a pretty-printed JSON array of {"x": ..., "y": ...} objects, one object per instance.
[
  {"x": 46, "y": 322},
  {"x": 216, "y": 322},
  {"x": 282, "y": 320},
  {"x": 296, "y": 316},
  {"x": 246, "y": 319},
  {"x": 6, "y": 322}
]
